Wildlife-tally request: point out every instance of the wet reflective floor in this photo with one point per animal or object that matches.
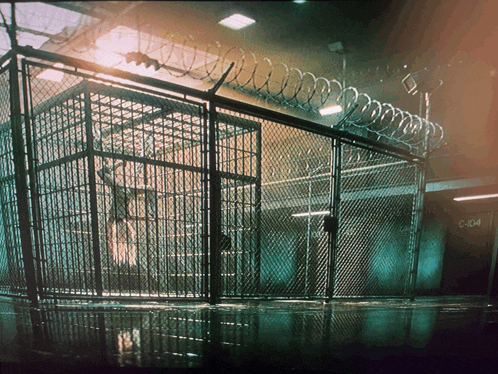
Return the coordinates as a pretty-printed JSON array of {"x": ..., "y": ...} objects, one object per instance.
[{"x": 429, "y": 335}]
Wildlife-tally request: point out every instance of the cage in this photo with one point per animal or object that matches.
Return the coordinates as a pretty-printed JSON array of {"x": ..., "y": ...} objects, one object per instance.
[
  {"x": 122, "y": 183},
  {"x": 137, "y": 190}
]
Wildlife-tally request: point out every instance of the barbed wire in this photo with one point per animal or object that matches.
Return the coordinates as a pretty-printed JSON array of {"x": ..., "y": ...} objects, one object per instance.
[{"x": 181, "y": 56}]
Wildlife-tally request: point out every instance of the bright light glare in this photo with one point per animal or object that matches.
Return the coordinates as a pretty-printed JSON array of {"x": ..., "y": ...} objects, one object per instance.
[
  {"x": 42, "y": 17},
  {"x": 35, "y": 41},
  {"x": 113, "y": 60},
  {"x": 112, "y": 47},
  {"x": 475, "y": 197},
  {"x": 236, "y": 21},
  {"x": 330, "y": 110},
  {"x": 52, "y": 75},
  {"x": 323, "y": 212},
  {"x": 121, "y": 40}
]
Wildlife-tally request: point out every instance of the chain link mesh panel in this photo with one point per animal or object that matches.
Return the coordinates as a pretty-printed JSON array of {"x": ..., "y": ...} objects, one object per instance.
[
  {"x": 12, "y": 277},
  {"x": 275, "y": 187},
  {"x": 138, "y": 203},
  {"x": 377, "y": 196},
  {"x": 121, "y": 176},
  {"x": 295, "y": 176},
  {"x": 239, "y": 145},
  {"x": 58, "y": 127},
  {"x": 150, "y": 193}
]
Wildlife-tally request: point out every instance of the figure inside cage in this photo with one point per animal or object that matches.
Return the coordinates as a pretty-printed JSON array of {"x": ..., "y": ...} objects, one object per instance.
[{"x": 121, "y": 235}]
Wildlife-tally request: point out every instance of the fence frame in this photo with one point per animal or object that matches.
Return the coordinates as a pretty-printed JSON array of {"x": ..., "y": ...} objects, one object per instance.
[{"x": 210, "y": 100}]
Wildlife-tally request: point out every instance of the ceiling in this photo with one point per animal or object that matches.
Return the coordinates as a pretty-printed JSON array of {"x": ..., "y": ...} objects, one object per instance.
[{"x": 384, "y": 41}]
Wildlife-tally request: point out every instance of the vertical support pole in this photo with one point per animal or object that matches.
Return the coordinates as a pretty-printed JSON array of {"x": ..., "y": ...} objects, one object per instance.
[
  {"x": 215, "y": 209},
  {"x": 35, "y": 204},
  {"x": 93, "y": 194},
  {"x": 418, "y": 206},
  {"x": 22, "y": 183},
  {"x": 205, "y": 214},
  {"x": 335, "y": 201},
  {"x": 257, "y": 203},
  {"x": 20, "y": 169},
  {"x": 335, "y": 188},
  {"x": 308, "y": 235}
]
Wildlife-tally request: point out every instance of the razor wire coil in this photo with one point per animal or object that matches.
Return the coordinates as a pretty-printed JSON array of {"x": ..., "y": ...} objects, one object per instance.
[{"x": 180, "y": 56}]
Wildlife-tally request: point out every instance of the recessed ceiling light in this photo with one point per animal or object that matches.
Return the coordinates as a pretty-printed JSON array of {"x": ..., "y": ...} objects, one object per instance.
[{"x": 237, "y": 21}]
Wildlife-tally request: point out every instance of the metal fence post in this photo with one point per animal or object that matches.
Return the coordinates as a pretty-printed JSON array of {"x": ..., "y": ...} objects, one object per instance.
[
  {"x": 205, "y": 201},
  {"x": 35, "y": 203},
  {"x": 215, "y": 209},
  {"x": 258, "y": 206},
  {"x": 335, "y": 201},
  {"x": 215, "y": 195},
  {"x": 418, "y": 208},
  {"x": 93, "y": 194},
  {"x": 22, "y": 183}
]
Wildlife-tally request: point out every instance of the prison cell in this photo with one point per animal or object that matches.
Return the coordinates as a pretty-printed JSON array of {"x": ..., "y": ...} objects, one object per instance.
[
  {"x": 122, "y": 187},
  {"x": 142, "y": 157}
]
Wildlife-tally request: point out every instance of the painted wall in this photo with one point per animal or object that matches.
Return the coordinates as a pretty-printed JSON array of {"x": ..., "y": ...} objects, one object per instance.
[{"x": 430, "y": 264}]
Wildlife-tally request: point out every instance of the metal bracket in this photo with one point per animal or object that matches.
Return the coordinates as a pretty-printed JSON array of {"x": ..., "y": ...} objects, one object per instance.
[
  {"x": 346, "y": 116},
  {"x": 218, "y": 84}
]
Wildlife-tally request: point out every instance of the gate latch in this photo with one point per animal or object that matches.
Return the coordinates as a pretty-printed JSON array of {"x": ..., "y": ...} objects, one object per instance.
[{"x": 330, "y": 224}]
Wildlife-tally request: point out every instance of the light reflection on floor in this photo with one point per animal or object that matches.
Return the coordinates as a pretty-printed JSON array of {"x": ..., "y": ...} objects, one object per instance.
[{"x": 430, "y": 335}]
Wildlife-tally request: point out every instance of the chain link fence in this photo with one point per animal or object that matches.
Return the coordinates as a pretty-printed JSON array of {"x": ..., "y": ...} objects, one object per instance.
[
  {"x": 12, "y": 277},
  {"x": 295, "y": 176},
  {"x": 376, "y": 213},
  {"x": 122, "y": 185},
  {"x": 127, "y": 168}
]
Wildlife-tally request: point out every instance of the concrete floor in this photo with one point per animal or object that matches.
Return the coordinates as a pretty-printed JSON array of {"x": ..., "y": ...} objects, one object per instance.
[{"x": 429, "y": 335}]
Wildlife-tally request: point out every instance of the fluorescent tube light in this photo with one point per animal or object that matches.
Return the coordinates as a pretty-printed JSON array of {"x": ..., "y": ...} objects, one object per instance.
[
  {"x": 476, "y": 197},
  {"x": 330, "y": 110},
  {"x": 323, "y": 212},
  {"x": 236, "y": 21}
]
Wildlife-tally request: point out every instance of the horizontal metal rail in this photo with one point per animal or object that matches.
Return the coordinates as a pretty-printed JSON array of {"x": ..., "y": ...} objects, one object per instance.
[{"x": 228, "y": 103}]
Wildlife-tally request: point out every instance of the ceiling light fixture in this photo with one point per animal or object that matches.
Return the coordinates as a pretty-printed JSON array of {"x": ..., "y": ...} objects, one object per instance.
[
  {"x": 237, "y": 21},
  {"x": 476, "y": 197},
  {"x": 323, "y": 212},
  {"x": 421, "y": 81},
  {"x": 330, "y": 110}
]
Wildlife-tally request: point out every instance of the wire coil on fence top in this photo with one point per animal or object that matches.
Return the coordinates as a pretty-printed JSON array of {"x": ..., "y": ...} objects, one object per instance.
[
  {"x": 181, "y": 56},
  {"x": 295, "y": 88}
]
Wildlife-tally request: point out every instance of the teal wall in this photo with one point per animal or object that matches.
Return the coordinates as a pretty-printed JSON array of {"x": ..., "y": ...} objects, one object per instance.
[
  {"x": 390, "y": 258},
  {"x": 278, "y": 259},
  {"x": 430, "y": 264}
]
